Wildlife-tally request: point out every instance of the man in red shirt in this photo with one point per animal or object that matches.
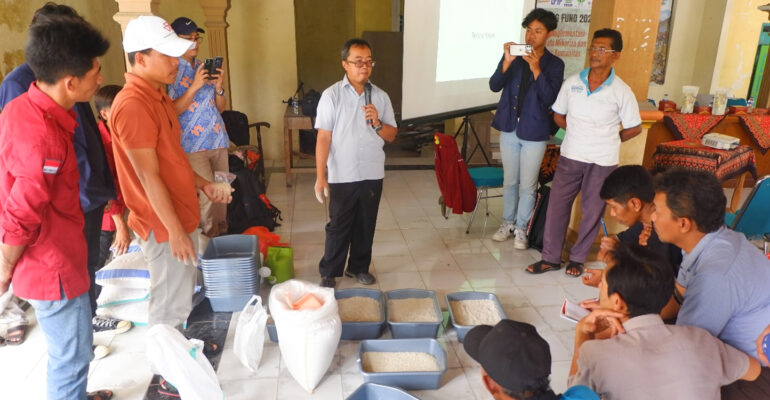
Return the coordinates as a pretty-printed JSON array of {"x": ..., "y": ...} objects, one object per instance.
[{"x": 42, "y": 247}]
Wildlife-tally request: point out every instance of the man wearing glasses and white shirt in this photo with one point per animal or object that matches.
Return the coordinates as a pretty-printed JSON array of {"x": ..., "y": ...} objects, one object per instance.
[
  {"x": 591, "y": 106},
  {"x": 354, "y": 119}
]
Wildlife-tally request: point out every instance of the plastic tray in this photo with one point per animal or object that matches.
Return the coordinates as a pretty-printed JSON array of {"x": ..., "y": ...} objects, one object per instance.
[
  {"x": 405, "y": 380},
  {"x": 405, "y": 330},
  {"x": 458, "y": 296},
  {"x": 231, "y": 247},
  {"x": 229, "y": 303},
  {"x": 362, "y": 330},
  {"x": 271, "y": 331},
  {"x": 373, "y": 391}
]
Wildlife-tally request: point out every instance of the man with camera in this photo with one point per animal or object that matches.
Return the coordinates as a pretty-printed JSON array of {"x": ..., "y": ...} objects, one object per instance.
[{"x": 199, "y": 99}]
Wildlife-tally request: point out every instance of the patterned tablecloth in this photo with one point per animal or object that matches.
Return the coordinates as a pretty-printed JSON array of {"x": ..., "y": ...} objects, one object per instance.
[
  {"x": 758, "y": 127},
  {"x": 691, "y": 154},
  {"x": 691, "y": 126}
]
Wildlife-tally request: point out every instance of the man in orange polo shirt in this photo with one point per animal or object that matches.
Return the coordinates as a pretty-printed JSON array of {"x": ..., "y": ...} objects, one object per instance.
[{"x": 159, "y": 186}]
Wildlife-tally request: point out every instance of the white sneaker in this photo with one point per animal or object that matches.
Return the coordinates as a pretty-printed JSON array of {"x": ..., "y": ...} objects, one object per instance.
[
  {"x": 503, "y": 233},
  {"x": 520, "y": 239},
  {"x": 100, "y": 351}
]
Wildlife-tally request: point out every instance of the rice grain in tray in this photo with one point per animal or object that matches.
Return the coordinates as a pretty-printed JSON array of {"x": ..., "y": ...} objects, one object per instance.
[
  {"x": 359, "y": 309},
  {"x": 374, "y": 361},
  {"x": 475, "y": 312},
  {"x": 412, "y": 310}
]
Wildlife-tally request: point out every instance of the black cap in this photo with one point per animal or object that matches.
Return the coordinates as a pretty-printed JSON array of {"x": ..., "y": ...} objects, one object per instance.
[
  {"x": 185, "y": 26},
  {"x": 512, "y": 353}
]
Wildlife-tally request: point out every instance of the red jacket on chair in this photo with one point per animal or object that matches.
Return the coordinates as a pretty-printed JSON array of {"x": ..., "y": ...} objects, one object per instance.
[{"x": 454, "y": 181}]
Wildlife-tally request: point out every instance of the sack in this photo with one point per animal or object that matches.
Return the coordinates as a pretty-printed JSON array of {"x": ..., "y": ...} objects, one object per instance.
[
  {"x": 309, "y": 103},
  {"x": 138, "y": 312},
  {"x": 250, "y": 334},
  {"x": 128, "y": 271},
  {"x": 112, "y": 295},
  {"x": 308, "y": 339},
  {"x": 536, "y": 225},
  {"x": 250, "y": 206},
  {"x": 182, "y": 363},
  {"x": 280, "y": 260}
]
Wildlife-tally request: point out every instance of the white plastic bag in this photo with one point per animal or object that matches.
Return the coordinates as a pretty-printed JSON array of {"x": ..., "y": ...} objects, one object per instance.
[
  {"x": 250, "y": 333},
  {"x": 308, "y": 339},
  {"x": 182, "y": 363}
]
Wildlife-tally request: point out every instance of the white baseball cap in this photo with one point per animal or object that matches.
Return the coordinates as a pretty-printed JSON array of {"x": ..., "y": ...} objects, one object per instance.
[{"x": 151, "y": 32}]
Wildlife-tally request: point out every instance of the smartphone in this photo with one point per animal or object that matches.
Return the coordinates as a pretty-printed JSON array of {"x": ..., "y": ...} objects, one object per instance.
[
  {"x": 211, "y": 65},
  {"x": 520, "y": 49}
]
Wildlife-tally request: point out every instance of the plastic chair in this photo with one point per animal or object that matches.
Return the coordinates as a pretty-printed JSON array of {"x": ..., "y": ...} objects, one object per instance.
[
  {"x": 752, "y": 219},
  {"x": 484, "y": 178}
]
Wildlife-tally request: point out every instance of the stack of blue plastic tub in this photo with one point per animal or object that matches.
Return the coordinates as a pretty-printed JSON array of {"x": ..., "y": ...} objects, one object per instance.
[{"x": 230, "y": 271}]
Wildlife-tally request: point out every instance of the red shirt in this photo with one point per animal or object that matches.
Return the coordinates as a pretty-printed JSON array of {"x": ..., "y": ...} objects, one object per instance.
[
  {"x": 39, "y": 198},
  {"x": 118, "y": 207}
]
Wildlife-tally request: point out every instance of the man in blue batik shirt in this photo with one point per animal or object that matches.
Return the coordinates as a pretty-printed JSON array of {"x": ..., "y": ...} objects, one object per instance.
[{"x": 199, "y": 100}]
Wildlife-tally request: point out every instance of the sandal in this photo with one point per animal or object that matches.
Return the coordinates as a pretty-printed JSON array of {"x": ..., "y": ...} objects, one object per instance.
[
  {"x": 542, "y": 266},
  {"x": 2, "y": 341},
  {"x": 15, "y": 336},
  {"x": 573, "y": 267},
  {"x": 100, "y": 395},
  {"x": 167, "y": 389},
  {"x": 210, "y": 348}
]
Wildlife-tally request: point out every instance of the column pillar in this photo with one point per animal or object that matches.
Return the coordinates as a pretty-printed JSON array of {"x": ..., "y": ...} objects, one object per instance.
[
  {"x": 637, "y": 21},
  {"x": 130, "y": 9},
  {"x": 216, "y": 32}
]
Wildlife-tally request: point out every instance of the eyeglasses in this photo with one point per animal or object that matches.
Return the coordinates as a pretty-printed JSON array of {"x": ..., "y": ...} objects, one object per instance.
[
  {"x": 360, "y": 64},
  {"x": 600, "y": 50}
]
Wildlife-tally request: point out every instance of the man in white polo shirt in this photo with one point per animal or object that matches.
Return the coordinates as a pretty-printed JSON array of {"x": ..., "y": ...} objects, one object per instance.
[
  {"x": 591, "y": 107},
  {"x": 354, "y": 120}
]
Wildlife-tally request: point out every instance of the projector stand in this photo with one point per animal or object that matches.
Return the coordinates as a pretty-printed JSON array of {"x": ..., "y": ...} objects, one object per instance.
[{"x": 464, "y": 126}]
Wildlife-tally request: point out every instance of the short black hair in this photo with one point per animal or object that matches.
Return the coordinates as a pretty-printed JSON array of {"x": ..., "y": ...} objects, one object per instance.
[
  {"x": 355, "y": 42},
  {"x": 628, "y": 182},
  {"x": 641, "y": 277},
  {"x": 104, "y": 97},
  {"x": 62, "y": 46},
  {"x": 545, "y": 17},
  {"x": 696, "y": 195},
  {"x": 538, "y": 389},
  {"x": 132, "y": 55},
  {"x": 52, "y": 10},
  {"x": 617, "y": 38}
]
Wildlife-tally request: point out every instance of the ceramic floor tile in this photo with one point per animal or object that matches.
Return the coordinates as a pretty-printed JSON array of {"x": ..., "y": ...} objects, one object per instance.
[
  {"x": 400, "y": 280},
  {"x": 315, "y": 237},
  {"x": 559, "y": 352},
  {"x": 476, "y": 261},
  {"x": 551, "y": 317},
  {"x": 480, "y": 391},
  {"x": 231, "y": 368},
  {"x": 578, "y": 292},
  {"x": 348, "y": 357},
  {"x": 412, "y": 222},
  {"x": 526, "y": 314},
  {"x": 250, "y": 389},
  {"x": 465, "y": 246},
  {"x": 351, "y": 382},
  {"x": 388, "y": 235},
  {"x": 330, "y": 387},
  {"x": 394, "y": 263},
  {"x": 410, "y": 212},
  {"x": 544, "y": 295},
  {"x": 447, "y": 280},
  {"x": 508, "y": 296},
  {"x": 523, "y": 278},
  {"x": 559, "y": 375},
  {"x": 425, "y": 235},
  {"x": 429, "y": 260},
  {"x": 122, "y": 372},
  {"x": 454, "y": 385},
  {"x": 389, "y": 249},
  {"x": 488, "y": 277}
]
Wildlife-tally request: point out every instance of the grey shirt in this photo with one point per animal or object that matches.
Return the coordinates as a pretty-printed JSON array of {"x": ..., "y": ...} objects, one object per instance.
[
  {"x": 356, "y": 152},
  {"x": 656, "y": 361}
]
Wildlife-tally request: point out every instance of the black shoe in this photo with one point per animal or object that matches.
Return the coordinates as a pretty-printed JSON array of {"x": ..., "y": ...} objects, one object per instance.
[
  {"x": 364, "y": 278},
  {"x": 328, "y": 281}
]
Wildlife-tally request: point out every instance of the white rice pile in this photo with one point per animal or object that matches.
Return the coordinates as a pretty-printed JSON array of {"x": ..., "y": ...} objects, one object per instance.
[
  {"x": 413, "y": 310},
  {"x": 475, "y": 312},
  {"x": 359, "y": 309},
  {"x": 374, "y": 361}
]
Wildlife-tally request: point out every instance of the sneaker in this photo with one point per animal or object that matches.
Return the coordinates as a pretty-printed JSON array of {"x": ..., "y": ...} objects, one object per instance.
[
  {"x": 364, "y": 278},
  {"x": 112, "y": 325},
  {"x": 520, "y": 239},
  {"x": 503, "y": 233},
  {"x": 100, "y": 351},
  {"x": 328, "y": 282}
]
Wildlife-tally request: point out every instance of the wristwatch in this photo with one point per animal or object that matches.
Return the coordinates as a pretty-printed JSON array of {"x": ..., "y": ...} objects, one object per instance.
[
  {"x": 378, "y": 128},
  {"x": 221, "y": 92}
]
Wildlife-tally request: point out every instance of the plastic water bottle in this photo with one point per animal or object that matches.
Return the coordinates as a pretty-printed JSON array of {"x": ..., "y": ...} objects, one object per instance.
[
  {"x": 750, "y": 105},
  {"x": 295, "y": 104}
]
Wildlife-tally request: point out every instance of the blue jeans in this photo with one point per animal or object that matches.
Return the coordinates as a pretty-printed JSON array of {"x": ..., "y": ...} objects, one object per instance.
[
  {"x": 66, "y": 324},
  {"x": 521, "y": 167}
]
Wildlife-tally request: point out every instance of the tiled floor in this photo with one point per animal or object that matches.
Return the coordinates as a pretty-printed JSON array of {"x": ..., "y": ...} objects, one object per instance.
[{"x": 414, "y": 247}]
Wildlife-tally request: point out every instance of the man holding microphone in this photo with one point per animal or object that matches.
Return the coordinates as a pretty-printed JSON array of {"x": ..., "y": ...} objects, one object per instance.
[{"x": 354, "y": 120}]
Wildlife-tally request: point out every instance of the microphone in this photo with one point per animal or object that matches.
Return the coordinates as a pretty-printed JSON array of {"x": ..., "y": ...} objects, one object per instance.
[{"x": 368, "y": 98}]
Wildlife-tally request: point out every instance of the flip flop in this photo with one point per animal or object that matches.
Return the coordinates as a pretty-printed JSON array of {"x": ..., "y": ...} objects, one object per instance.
[
  {"x": 15, "y": 336},
  {"x": 542, "y": 266},
  {"x": 572, "y": 266},
  {"x": 167, "y": 389}
]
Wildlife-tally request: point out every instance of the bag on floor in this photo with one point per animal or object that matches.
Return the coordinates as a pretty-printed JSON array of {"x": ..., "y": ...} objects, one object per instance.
[
  {"x": 536, "y": 225},
  {"x": 181, "y": 362},
  {"x": 250, "y": 205},
  {"x": 308, "y": 338},
  {"x": 280, "y": 260},
  {"x": 250, "y": 333}
]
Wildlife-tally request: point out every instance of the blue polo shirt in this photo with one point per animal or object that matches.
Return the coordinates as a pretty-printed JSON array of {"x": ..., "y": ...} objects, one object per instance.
[
  {"x": 95, "y": 184},
  {"x": 727, "y": 282}
]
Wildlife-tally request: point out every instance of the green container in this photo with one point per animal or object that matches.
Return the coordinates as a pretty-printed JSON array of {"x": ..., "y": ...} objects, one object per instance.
[{"x": 280, "y": 260}]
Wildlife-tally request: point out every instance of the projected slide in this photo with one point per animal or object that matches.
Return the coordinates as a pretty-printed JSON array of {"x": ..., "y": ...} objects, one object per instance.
[{"x": 471, "y": 36}]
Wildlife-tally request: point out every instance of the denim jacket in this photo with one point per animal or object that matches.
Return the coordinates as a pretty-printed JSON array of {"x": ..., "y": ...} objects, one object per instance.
[{"x": 534, "y": 121}]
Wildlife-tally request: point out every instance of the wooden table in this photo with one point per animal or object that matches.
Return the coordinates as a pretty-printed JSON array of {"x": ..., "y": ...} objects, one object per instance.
[{"x": 294, "y": 122}]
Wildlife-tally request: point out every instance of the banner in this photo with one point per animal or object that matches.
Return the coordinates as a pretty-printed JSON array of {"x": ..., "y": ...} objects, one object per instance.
[{"x": 570, "y": 40}]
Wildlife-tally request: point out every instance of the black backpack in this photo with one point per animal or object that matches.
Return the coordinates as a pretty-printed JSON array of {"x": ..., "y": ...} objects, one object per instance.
[
  {"x": 309, "y": 103},
  {"x": 250, "y": 206}
]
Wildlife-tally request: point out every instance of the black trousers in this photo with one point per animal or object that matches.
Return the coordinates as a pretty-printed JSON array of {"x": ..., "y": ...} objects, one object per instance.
[
  {"x": 105, "y": 241},
  {"x": 353, "y": 210},
  {"x": 744, "y": 390},
  {"x": 92, "y": 231}
]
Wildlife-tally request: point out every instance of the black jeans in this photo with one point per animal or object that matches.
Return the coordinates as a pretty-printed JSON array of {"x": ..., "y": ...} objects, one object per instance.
[
  {"x": 353, "y": 211},
  {"x": 105, "y": 241},
  {"x": 92, "y": 231}
]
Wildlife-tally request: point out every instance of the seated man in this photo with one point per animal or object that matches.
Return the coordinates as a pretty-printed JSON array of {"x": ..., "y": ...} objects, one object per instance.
[
  {"x": 723, "y": 277},
  {"x": 649, "y": 360},
  {"x": 515, "y": 362},
  {"x": 628, "y": 193}
]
